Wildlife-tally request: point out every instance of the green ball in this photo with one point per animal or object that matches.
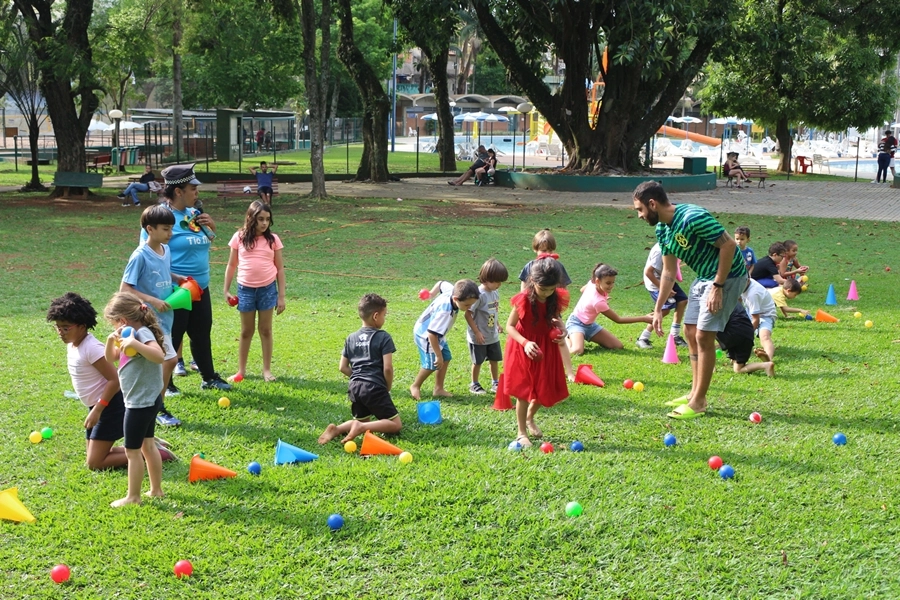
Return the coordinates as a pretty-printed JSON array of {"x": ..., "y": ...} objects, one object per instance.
[
  {"x": 46, "y": 433},
  {"x": 573, "y": 509},
  {"x": 719, "y": 353}
]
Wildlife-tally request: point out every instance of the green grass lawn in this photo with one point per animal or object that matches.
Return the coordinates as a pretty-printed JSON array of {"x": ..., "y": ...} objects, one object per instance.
[{"x": 803, "y": 518}]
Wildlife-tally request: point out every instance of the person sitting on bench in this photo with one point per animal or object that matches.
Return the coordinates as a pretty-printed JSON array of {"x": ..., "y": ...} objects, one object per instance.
[
  {"x": 732, "y": 168},
  {"x": 479, "y": 163},
  {"x": 264, "y": 181},
  {"x": 490, "y": 165}
]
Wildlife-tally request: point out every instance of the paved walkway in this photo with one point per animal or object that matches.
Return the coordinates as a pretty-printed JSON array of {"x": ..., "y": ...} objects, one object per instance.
[{"x": 822, "y": 199}]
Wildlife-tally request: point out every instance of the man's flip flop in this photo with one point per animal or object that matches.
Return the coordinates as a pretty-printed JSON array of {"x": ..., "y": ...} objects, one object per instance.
[
  {"x": 677, "y": 401},
  {"x": 685, "y": 412}
]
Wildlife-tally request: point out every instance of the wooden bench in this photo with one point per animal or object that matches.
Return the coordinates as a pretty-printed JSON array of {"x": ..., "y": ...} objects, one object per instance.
[
  {"x": 101, "y": 160},
  {"x": 235, "y": 188},
  {"x": 757, "y": 172},
  {"x": 67, "y": 181}
]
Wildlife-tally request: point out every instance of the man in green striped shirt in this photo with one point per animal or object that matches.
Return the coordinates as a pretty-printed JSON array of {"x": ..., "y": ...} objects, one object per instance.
[{"x": 690, "y": 233}]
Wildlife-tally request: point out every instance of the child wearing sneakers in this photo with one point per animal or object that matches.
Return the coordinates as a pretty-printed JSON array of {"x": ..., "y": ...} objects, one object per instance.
[
  {"x": 677, "y": 300},
  {"x": 367, "y": 359},
  {"x": 742, "y": 237},
  {"x": 483, "y": 331},
  {"x": 430, "y": 331},
  {"x": 761, "y": 309}
]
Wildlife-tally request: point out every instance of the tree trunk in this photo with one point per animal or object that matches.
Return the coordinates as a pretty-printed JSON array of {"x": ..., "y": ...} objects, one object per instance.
[
  {"x": 376, "y": 105},
  {"x": 34, "y": 131},
  {"x": 785, "y": 142},
  {"x": 317, "y": 78},
  {"x": 177, "y": 105},
  {"x": 67, "y": 79},
  {"x": 446, "y": 145}
]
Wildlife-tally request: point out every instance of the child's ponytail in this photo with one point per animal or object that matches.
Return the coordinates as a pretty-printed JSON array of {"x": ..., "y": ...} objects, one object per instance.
[
  {"x": 602, "y": 270},
  {"x": 126, "y": 306}
]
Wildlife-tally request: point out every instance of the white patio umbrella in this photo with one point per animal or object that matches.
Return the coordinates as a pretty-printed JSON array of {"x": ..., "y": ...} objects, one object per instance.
[
  {"x": 100, "y": 126},
  {"x": 429, "y": 117},
  {"x": 129, "y": 125},
  {"x": 495, "y": 119}
]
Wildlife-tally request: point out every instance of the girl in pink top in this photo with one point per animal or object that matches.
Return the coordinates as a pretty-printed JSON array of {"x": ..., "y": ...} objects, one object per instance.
[
  {"x": 256, "y": 256},
  {"x": 582, "y": 323}
]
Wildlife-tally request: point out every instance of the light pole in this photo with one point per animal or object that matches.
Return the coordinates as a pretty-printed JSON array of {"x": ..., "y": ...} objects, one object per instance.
[
  {"x": 524, "y": 108},
  {"x": 116, "y": 115}
]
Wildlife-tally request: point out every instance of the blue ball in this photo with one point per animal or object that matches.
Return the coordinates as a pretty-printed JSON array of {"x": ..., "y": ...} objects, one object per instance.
[
  {"x": 726, "y": 471},
  {"x": 254, "y": 468},
  {"x": 840, "y": 439},
  {"x": 335, "y": 521},
  {"x": 577, "y": 447},
  {"x": 514, "y": 446},
  {"x": 669, "y": 440},
  {"x": 127, "y": 332}
]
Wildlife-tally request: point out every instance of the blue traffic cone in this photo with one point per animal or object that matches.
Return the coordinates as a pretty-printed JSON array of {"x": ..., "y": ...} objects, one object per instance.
[
  {"x": 286, "y": 454},
  {"x": 831, "y": 299}
]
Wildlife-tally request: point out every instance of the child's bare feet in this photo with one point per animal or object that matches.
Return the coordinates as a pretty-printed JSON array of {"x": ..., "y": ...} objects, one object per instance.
[
  {"x": 441, "y": 393},
  {"x": 156, "y": 494},
  {"x": 415, "y": 392},
  {"x": 267, "y": 375},
  {"x": 524, "y": 441},
  {"x": 761, "y": 354},
  {"x": 571, "y": 378},
  {"x": 356, "y": 430},
  {"x": 125, "y": 501},
  {"x": 533, "y": 429},
  {"x": 770, "y": 369},
  {"x": 329, "y": 434}
]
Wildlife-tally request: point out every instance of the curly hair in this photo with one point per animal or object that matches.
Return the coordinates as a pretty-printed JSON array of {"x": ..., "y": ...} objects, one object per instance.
[
  {"x": 73, "y": 308},
  {"x": 545, "y": 272},
  {"x": 126, "y": 306}
]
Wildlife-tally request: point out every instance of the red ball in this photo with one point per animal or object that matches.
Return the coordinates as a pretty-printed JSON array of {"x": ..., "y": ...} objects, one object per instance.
[
  {"x": 555, "y": 334},
  {"x": 538, "y": 356},
  {"x": 424, "y": 294},
  {"x": 60, "y": 573},
  {"x": 755, "y": 417},
  {"x": 628, "y": 384},
  {"x": 888, "y": 269},
  {"x": 232, "y": 300},
  {"x": 183, "y": 568},
  {"x": 546, "y": 447},
  {"x": 237, "y": 378},
  {"x": 715, "y": 463}
]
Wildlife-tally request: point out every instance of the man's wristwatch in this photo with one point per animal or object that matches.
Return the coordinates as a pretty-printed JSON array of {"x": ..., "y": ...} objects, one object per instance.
[{"x": 718, "y": 285}]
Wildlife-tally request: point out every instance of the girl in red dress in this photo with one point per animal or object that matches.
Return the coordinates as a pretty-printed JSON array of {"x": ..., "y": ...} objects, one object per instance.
[{"x": 533, "y": 371}]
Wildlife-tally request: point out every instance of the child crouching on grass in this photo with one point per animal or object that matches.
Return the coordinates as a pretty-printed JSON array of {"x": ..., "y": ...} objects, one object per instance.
[
  {"x": 140, "y": 376},
  {"x": 368, "y": 360},
  {"x": 737, "y": 341}
]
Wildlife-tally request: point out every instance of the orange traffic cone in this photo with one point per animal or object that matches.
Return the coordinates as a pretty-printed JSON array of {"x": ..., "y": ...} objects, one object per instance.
[
  {"x": 824, "y": 317},
  {"x": 12, "y": 509},
  {"x": 502, "y": 400},
  {"x": 585, "y": 374},
  {"x": 372, "y": 444},
  {"x": 204, "y": 470},
  {"x": 194, "y": 288}
]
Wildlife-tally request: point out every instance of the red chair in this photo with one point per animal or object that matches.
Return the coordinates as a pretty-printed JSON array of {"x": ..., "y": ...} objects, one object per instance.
[{"x": 802, "y": 164}]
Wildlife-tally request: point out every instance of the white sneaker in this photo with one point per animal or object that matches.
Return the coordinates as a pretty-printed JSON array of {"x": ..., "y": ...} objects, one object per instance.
[
  {"x": 179, "y": 369},
  {"x": 644, "y": 344}
]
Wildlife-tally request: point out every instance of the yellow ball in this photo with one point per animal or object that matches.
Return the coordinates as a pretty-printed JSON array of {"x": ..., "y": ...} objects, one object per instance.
[
  {"x": 857, "y": 314},
  {"x": 804, "y": 279},
  {"x": 350, "y": 447},
  {"x": 224, "y": 402},
  {"x": 129, "y": 352},
  {"x": 803, "y": 288},
  {"x": 405, "y": 458},
  {"x": 869, "y": 323},
  {"x": 638, "y": 386},
  {"x": 35, "y": 437}
]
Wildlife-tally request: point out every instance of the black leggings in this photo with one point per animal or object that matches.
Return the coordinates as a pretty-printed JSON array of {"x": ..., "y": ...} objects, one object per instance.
[
  {"x": 197, "y": 323},
  {"x": 884, "y": 161}
]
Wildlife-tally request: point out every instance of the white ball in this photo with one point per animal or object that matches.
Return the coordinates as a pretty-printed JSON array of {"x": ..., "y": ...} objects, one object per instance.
[{"x": 247, "y": 189}]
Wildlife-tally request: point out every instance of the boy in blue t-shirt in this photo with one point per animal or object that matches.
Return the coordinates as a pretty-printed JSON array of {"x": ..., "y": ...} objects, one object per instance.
[
  {"x": 742, "y": 237},
  {"x": 430, "y": 332},
  {"x": 367, "y": 359},
  {"x": 264, "y": 179},
  {"x": 148, "y": 275}
]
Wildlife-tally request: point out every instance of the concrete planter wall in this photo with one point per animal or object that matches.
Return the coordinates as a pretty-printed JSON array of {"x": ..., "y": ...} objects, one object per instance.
[{"x": 676, "y": 182}]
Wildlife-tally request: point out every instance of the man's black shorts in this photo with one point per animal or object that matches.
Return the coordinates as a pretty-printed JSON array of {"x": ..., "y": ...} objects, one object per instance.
[{"x": 368, "y": 399}]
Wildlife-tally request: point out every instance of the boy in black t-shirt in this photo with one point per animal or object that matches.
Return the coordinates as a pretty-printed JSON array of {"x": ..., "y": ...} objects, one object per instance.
[
  {"x": 767, "y": 270},
  {"x": 367, "y": 359}
]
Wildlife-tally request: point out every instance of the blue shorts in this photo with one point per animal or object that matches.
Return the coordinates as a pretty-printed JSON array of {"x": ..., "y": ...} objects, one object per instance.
[
  {"x": 428, "y": 359},
  {"x": 257, "y": 299},
  {"x": 573, "y": 325},
  {"x": 766, "y": 323},
  {"x": 679, "y": 296}
]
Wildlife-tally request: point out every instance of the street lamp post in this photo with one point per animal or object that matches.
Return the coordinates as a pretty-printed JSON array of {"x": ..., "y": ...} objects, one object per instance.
[
  {"x": 116, "y": 115},
  {"x": 524, "y": 108}
]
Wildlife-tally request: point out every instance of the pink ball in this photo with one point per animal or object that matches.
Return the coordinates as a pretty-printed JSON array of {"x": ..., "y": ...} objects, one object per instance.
[
  {"x": 60, "y": 573},
  {"x": 715, "y": 463},
  {"x": 183, "y": 568},
  {"x": 546, "y": 447},
  {"x": 755, "y": 417},
  {"x": 628, "y": 384}
]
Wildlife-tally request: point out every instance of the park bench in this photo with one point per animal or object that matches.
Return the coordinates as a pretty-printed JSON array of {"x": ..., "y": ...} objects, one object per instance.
[
  {"x": 236, "y": 187},
  {"x": 101, "y": 160},
  {"x": 67, "y": 181},
  {"x": 757, "y": 172},
  {"x": 821, "y": 161}
]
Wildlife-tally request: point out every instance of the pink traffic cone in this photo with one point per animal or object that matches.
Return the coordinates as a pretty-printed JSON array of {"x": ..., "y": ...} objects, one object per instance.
[
  {"x": 670, "y": 356},
  {"x": 853, "y": 294}
]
